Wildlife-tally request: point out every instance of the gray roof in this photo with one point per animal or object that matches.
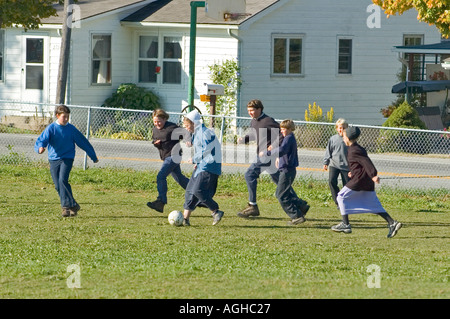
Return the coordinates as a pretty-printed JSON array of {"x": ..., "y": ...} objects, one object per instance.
[
  {"x": 179, "y": 11},
  {"x": 159, "y": 11},
  {"x": 92, "y": 8}
]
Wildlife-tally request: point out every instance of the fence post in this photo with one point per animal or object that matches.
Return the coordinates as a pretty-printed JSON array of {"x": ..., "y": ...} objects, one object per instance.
[
  {"x": 222, "y": 128},
  {"x": 88, "y": 130}
]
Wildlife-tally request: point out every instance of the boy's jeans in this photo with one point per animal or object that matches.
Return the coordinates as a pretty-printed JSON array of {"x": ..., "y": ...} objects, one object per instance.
[
  {"x": 172, "y": 168},
  {"x": 286, "y": 195},
  {"x": 60, "y": 171},
  {"x": 252, "y": 175}
]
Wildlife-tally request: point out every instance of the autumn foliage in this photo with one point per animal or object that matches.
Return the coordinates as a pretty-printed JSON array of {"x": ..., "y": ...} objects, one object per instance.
[{"x": 433, "y": 12}]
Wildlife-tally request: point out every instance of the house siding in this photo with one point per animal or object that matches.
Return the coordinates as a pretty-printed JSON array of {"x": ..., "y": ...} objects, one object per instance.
[{"x": 358, "y": 97}]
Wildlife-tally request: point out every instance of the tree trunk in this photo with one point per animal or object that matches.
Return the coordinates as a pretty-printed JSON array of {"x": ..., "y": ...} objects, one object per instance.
[{"x": 64, "y": 53}]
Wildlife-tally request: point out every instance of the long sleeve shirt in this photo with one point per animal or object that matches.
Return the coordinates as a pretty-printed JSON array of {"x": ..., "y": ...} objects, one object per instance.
[
  {"x": 264, "y": 130},
  {"x": 207, "y": 151},
  {"x": 169, "y": 136},
  {"x": 336, "y": 153},
  {"x": 61, "y": 141},
  {"x": 362, "y": 169},
  {"x": 287, "y": 152}
]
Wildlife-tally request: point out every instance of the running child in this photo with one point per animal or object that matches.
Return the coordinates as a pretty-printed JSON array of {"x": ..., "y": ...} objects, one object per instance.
[
  {"x": 166, "y": 138},
  {"x": 61, "y": 137},
  {"x": 358, "y": 195}
]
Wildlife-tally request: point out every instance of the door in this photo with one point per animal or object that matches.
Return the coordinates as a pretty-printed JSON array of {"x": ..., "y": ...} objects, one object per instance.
[{"x": 35, "y": 69}]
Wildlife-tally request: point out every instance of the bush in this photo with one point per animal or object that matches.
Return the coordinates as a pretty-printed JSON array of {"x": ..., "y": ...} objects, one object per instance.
[
  {"x": 131, "y": 96},
  {"x": 404, "y": 116}
]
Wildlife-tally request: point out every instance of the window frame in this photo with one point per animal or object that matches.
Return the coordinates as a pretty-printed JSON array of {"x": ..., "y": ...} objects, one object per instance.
[
  {"x": 418, "y": 59},
  {"x": 288, "y": 37},
  {"x": 160, "y": 59},
  {"x": 338, "y": 56},
  {"x": 2, "y": 55},
  {"x": 110, "y": 59}
]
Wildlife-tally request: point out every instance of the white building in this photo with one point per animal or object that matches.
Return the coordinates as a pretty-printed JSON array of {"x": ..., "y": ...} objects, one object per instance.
[{"x": 291, "y": 53}]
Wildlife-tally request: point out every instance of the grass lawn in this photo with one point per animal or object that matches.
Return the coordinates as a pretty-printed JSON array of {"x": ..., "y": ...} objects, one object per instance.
[{"x": 125, "y": 250}]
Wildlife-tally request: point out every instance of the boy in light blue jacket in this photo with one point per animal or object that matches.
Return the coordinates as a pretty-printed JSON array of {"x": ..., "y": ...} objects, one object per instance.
[{"x": 61, "y": 137}]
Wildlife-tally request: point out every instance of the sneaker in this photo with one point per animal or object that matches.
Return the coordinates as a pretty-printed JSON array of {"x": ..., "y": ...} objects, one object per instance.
[
  {"x": 74, "y": 210},
  {"x": 250, "y": 210},
  {"x": 296, "y": 221},
  {"x": 347, "y": 229},
  {"x": 186, "y": 222},
  {"x": 65, "y": 212},
  {"x": 217, "y": 216},
  {"x": 393, "y": 229},
  {"x": 157, "y": 205}
]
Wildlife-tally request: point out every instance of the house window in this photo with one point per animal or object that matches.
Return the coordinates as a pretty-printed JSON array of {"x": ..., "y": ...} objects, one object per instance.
[
  {"x": 345, "y": 56},
  {"x": 412, "y": 40},
  {"x": 101, "y": 59},
  {"x": 287, "y": 55},
  {"x": 160, "y": 55},
  {"x": 2, "y": 36}
]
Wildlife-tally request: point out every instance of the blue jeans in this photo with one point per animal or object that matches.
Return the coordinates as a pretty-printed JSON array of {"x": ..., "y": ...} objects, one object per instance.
[
  {"x": 169, "y": 167},
  {"x": 60, "y": 171},
  {"x": 252, "y": 175},
  {"x": 286, "y": 195}
]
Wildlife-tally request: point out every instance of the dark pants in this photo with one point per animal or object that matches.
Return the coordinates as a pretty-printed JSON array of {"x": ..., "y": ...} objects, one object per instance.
[
  {"x": 169, "y": 167},
  {"x": 333, "y": 174},
  {"x": 201, "y": 189},
  {"x": 252, "y": 175},
  {"x": 60, "y": 171},
  {"x": 286, "y": 195}
]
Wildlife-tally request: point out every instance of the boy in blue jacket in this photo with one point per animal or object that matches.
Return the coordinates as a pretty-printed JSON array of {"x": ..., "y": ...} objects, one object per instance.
[
  {"x": 60, "y": 137},
  {"x": 287, "y": 163},
  {"x": 207, "y": 158}
]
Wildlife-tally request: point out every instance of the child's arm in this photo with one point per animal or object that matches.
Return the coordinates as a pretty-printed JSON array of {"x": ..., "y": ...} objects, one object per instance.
[
  {"x": 42, "y": 141},
  {"x": 84, "y": 144}
]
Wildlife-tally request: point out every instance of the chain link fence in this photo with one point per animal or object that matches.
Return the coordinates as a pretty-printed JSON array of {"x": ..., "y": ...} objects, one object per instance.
[{"x": 404, "y": 158}]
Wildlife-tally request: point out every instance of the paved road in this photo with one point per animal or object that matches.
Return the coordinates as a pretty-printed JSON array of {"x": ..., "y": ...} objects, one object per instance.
[{"x": 403, "y": 171}]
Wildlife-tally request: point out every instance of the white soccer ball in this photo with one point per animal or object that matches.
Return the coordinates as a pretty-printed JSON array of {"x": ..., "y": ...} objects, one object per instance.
[{"x": 176, "y": 218}]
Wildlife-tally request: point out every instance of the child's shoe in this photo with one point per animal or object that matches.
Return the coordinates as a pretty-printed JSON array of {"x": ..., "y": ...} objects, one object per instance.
[
  {"x": 249, "y": 211},
  {"x": 393, "y": 229},
  {"x": 65, "y": 212},
  {"x": 74, "y": 210},
  {"x": 296, "y": 221},
  {"x": 157, "y": 205},
  {"x": 342, "y": 227}
]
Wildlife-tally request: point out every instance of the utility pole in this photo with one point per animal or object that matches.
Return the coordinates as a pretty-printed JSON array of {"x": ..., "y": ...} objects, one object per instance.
[{"x": 64, "y": 52}]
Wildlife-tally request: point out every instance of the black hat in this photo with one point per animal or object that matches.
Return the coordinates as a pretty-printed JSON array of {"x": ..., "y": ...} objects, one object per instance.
[{"x": 352, "y": 132}]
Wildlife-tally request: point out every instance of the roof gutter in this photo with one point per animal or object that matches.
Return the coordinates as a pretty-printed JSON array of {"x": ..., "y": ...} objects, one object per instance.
[{"x": 177, "y": 25}]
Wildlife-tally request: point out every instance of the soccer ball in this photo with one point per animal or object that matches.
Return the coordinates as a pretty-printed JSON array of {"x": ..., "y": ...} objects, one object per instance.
[{"x": 176, "y": 218}]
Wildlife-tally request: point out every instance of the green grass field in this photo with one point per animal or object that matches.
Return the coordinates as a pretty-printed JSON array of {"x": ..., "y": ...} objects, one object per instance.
[{"x": 125, "y": 250}]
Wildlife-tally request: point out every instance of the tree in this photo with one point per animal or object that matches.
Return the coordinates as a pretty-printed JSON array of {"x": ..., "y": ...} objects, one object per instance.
[
  {"x": 435, "y": 12},
  {"x": 26, "y": 13}
]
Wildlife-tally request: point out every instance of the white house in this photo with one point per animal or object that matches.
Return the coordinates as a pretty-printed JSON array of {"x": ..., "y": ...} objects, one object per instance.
[{"x": 291, "y": 53}]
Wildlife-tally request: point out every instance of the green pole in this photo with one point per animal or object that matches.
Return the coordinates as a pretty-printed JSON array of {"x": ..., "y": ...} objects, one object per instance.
[{"x": 193, "y": 35}]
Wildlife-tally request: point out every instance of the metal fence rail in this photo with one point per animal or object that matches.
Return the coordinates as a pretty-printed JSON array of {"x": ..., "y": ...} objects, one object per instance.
[{"x": 405, "y": 158}]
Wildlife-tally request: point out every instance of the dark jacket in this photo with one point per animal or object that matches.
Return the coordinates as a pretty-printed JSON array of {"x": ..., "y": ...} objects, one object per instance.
[
  {"x": 287, "y": 152},
  {"x": 263, "y": 124},
  {"x": 168, "y": 141},
  {"x": 362, "y": 169}
]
